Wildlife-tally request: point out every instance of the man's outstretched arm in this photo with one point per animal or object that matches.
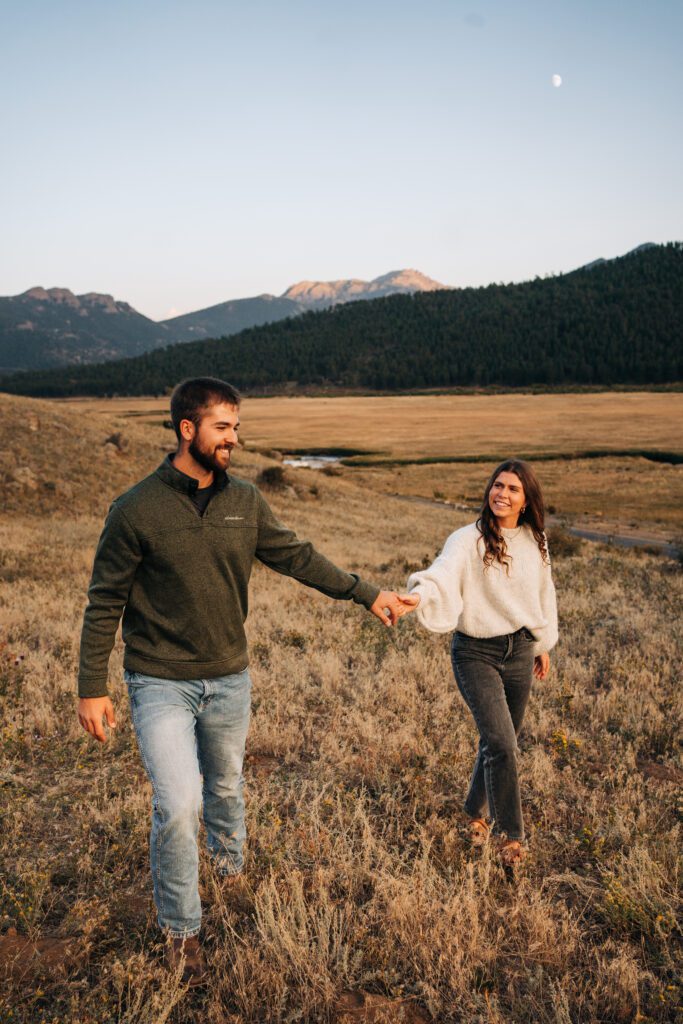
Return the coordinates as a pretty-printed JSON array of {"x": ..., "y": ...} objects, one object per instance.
[{"x": 280, "y": 549}]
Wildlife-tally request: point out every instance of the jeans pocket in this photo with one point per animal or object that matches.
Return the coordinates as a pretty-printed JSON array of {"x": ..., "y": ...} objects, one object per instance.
[
  {"x": 236, "y": 682},
  {"x": 474, "y": 647},
  {"x": 460, "y": 642},
  {"x": 135, "y": 684}
]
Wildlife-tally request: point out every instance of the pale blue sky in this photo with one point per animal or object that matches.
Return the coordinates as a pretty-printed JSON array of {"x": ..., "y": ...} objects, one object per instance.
[{"x": 178, "y": 154}]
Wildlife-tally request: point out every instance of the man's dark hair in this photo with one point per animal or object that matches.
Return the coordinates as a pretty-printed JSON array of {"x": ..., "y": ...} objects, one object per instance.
[{"x": 192, "y": 397}]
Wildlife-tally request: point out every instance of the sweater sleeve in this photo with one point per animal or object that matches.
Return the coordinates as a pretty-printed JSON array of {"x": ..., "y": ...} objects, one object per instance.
[
  {"x": 440, "y": 587},
  {"x": 547, "y": 637},
  {"x": 280, "y": 549},
  {"x": 116, "y": 560}
]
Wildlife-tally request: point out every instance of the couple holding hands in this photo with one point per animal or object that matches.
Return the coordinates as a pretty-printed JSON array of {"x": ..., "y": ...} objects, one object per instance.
[{"x": 174, "y": 558}]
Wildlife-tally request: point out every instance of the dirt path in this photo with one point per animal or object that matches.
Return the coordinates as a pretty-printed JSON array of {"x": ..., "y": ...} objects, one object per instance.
[{"x": 624, "y": 540}]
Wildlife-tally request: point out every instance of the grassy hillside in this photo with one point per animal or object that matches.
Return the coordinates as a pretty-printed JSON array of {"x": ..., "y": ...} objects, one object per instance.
[
  {"x": 617, "y": 323},
  {"x": 360, "y": 888}
]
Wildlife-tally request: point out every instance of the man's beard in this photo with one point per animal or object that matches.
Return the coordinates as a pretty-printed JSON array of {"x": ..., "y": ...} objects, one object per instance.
[{"x": 207, "y": 459}]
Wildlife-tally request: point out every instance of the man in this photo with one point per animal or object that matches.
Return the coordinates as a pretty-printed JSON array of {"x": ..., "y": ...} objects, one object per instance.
[{"x": 175, "y": 557}]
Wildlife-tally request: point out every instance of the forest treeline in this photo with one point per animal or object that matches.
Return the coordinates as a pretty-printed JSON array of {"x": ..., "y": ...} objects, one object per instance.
[{"x": 620, "y": 322}]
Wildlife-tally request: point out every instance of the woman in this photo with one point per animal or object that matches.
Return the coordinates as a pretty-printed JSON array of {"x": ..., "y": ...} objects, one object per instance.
[{"x": 492, "y": 584}]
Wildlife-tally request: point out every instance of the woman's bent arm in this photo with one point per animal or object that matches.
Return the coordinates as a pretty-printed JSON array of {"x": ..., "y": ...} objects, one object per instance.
[{"x": 549, "y": 635}]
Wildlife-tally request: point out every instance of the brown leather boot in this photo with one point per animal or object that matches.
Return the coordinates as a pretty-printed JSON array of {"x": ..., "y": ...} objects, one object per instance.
[{"x": 189, "y": 950}]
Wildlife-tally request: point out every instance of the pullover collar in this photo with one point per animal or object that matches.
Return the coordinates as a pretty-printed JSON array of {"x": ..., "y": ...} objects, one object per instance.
[{"x": 180, "y": 481}]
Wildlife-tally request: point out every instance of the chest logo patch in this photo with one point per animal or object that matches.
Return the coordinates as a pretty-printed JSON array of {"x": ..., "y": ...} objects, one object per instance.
[{"x": 233, "y": 517}]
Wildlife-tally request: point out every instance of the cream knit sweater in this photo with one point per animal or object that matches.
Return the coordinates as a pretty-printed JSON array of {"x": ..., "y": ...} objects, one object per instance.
[{"x": 458, "y": 592}]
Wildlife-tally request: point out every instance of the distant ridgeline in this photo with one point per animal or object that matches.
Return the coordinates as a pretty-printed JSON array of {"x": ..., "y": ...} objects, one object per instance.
[{"x": 615, "y": 322}]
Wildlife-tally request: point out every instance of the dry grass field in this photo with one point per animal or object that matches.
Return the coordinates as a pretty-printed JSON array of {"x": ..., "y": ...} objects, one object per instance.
[
  {"x": 361, "y": 900},
  {"x": 413, "y": 426}
]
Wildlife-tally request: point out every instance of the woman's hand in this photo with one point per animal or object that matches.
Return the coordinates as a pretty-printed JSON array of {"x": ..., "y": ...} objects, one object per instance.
[
  {"x": 541, "y": 665},
  {"x": 390, "y": 606}
]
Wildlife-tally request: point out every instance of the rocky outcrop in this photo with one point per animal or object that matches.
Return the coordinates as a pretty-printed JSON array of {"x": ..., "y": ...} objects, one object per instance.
[
  {"x": 21, "y": 477},
  {"x": 65, "y": 297},
  {"x": 318, "y": 294}
]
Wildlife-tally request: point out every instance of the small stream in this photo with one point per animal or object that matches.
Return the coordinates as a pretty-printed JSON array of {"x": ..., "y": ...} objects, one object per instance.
[{"x": 310, "y": 461}]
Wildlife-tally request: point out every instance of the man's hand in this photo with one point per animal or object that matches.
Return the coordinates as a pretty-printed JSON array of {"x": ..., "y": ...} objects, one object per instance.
[
  {"x": 390, "y": 606},
  {"x": 541, "y": 665},
  {"x": 91, "y": 711}
]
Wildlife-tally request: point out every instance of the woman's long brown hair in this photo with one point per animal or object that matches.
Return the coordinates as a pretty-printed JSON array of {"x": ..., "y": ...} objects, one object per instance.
[{"x": 533, "y": 515}]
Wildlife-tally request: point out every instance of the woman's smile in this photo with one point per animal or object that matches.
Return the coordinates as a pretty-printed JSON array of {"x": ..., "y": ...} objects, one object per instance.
[{"x": 507, "y": 499}]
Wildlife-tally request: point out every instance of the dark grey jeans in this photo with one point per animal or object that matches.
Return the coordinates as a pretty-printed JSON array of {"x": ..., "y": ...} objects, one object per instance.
[{"x": 494, "y": 676}]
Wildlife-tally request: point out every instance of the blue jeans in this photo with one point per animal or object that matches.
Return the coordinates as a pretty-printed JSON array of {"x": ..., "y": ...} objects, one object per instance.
[
  {"x": 494, "y": 676},
  {"x": 191, "y": 734}
]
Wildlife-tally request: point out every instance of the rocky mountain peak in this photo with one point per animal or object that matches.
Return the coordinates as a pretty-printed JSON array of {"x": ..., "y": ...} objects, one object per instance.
[
  {"x": 65, "y": 297},
  {"x": 327, "y": 293},
  {"x": 61, "y": 296},
  {"x": 106, "y": 302},
  {"x": 411, "y": 280}
]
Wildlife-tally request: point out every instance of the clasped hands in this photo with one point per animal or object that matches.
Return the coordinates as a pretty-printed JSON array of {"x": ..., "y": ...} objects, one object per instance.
[{"x": 390, "y": 606}]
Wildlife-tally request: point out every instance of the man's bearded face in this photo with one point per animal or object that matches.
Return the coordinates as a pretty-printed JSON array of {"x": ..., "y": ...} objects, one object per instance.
[{"x": 211, "y": 456}]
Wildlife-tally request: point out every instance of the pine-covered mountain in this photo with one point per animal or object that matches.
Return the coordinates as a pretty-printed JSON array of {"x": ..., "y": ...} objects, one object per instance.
[
  {"x": 620, "y": 322},
  {"x": 45, "y": 328},
  {"x": 600, "y": 260}
]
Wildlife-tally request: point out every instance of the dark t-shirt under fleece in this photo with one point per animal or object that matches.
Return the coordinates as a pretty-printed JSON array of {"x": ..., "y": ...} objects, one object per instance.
[
  {"x": 202, "y": 496},
  {"x": 181, "y": 578}
]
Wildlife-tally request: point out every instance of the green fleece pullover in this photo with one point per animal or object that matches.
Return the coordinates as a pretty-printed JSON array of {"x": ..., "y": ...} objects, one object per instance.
[{"x": 181, "y": 578}]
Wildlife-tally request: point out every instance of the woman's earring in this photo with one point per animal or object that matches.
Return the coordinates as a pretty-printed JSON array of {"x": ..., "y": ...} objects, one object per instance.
[{"x": 524, "y": 509}]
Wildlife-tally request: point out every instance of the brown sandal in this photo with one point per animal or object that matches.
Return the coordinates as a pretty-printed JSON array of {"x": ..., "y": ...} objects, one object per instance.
[
  {"x": 478, "y": 831},
  {"x": 511, "y": 853}
]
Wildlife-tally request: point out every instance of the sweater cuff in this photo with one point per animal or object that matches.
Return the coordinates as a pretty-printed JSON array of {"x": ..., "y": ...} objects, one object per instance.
[
  {"x": 93, "y": 687},
  {"x": 543, "y": 647},
  {"x": 365, "y": 593}
]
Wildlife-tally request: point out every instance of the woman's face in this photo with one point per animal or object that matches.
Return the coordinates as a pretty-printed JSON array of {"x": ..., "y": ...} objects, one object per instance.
[{"x": 507, "y": 499}]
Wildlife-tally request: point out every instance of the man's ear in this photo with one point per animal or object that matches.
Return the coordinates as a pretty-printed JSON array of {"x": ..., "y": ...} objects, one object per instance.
[{"x": 187, "y": 430}]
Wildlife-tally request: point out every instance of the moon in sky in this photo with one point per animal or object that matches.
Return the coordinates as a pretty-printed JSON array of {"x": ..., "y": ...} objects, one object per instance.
[{"x": 557, "y": 81}]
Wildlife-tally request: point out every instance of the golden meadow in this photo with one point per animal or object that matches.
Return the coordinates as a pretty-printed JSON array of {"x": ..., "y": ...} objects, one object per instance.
[{"x": 361, "y": 900}]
